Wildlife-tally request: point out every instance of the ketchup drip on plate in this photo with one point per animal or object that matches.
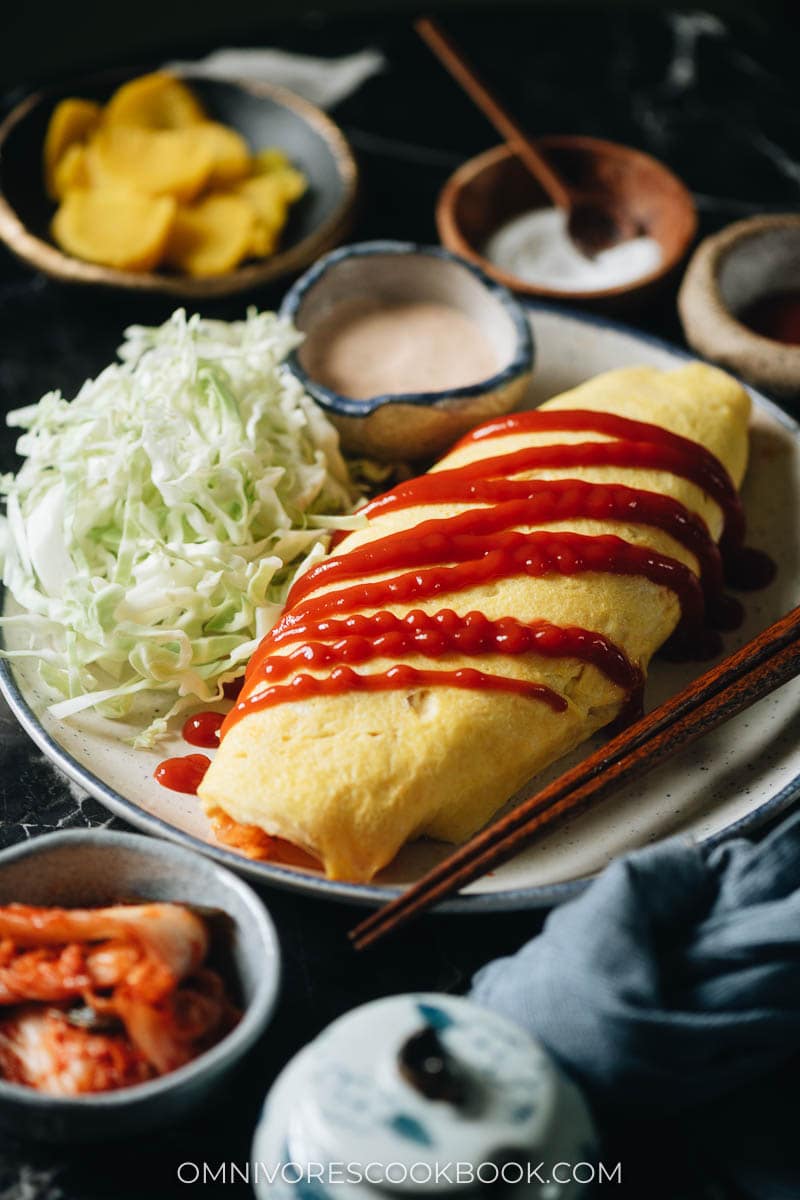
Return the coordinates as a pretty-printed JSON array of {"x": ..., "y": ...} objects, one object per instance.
[
  {"x": 483, "y": 544},
  {"x": 749, "y": 569},
  {"x": 202, "y": 729},
  {"x": 183, "y": 774}
]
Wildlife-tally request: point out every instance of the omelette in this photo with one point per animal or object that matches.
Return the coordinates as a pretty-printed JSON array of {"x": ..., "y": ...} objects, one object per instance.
[{"x": 490, "y": 616}]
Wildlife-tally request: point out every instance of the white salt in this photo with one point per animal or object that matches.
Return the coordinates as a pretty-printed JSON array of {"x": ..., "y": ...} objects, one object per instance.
[{"x": 537, "y": 248}]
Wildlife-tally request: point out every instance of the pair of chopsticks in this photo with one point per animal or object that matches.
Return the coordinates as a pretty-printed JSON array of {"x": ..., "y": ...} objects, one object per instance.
[{"x": 760, "y": 667}]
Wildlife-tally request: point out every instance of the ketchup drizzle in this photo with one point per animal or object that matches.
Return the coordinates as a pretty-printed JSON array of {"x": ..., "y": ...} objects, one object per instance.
[
  {"x": 185, "y": 773},
  {"x": 648, "y": 456},
  {"x": 446, "y": 555},
  {"x": 343, "y": 679},
  {"x": 525, "y": 502},
  {"x": 508, "y": 554},
  {"x": 361, "y": 638},
  {"x": 701, "y": 466}
]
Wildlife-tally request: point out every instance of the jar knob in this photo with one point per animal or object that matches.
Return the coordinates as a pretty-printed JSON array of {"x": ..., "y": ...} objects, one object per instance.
[{"x": 429, "y": 1067}]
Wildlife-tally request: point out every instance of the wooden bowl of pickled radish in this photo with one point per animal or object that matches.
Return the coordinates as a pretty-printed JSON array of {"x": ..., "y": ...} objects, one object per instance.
[{"x": 264, "y": 115}]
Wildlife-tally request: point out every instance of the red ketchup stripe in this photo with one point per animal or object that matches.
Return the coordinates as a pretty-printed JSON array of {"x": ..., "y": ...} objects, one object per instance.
[
  {"x": 698, "y": 464},
  {"x": 504, "y": 556},
  {"x": 578, "y": 420},
  {"x": 449, "y": 555},
  {"x": 512, "y": 554},
  {"x": 536, "y": 502},
  {"x": 648, "y": 456},
  {"x": 361, "y": 638},
  {"x": 343, "y": 679}
]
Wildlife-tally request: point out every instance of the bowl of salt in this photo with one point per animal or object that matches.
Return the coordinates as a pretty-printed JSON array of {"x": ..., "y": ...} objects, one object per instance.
[{"x": 492, "y": 212}]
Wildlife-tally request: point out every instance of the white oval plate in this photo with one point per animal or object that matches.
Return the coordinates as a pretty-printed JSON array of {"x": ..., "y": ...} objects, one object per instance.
[{"x": 731, "y": 781}]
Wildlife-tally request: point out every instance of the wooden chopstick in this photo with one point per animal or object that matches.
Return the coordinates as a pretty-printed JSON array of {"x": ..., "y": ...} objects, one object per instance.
[{"x": 758, "y": 668}]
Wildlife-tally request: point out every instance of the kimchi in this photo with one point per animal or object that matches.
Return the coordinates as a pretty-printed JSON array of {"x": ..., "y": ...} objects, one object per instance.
[{"x": 102, "y": 998}]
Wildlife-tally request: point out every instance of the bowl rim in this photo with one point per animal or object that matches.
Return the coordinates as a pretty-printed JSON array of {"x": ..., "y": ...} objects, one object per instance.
[
  {"x": 450, "y": 231},
  {"x": 704, "y": 271},
  {"x": 232, "y": 1047},
  {"x": 522, "y": 359},
  {"x": 45, "y": 256}
]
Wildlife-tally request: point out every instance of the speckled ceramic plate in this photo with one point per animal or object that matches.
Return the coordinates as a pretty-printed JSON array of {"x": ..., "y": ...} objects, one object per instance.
[{"x": 731, "y": 781}]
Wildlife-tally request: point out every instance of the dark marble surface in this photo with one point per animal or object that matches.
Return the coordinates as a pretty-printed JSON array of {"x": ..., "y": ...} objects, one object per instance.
[{"x": 717, "y": 99}]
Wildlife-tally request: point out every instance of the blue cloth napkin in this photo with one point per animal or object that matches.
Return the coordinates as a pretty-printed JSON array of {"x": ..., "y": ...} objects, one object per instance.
[{"x": 673, "y": 984}]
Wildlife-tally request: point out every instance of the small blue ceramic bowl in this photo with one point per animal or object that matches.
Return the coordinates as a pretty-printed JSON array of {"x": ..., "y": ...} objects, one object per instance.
[
  {"x": 411, "y": 425},
  {"x": 90, "y": 868}
]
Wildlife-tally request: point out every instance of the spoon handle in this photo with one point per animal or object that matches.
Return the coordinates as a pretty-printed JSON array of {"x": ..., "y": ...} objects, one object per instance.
[{"x": 452, "y": 59}]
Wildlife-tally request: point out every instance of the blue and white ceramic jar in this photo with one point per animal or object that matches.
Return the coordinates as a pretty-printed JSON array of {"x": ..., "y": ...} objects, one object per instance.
[{"x": 417, "y": 1094}]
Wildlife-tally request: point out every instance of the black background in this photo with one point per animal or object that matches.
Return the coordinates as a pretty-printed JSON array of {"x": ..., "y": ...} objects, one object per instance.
[{"x": 732, "y": 132}]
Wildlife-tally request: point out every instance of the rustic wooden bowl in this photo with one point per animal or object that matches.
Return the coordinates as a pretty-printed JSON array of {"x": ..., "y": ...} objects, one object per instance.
[
  {"x": 265, "y": 115},
  {"x": 495, "y": 187}
]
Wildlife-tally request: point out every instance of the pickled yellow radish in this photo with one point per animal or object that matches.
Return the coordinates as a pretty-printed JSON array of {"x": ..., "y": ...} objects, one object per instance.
[
  {"x": 118, "y": 228},
  {"x": 156, "y": 101},
  {"x": 269, "y": 158},
  {"x": 265, "y": 194},
  {"x": 71, "y": 123},
  {"x": 159, "y": 162},
  {"x": 273, "y": 163},
  {"x": 293, "y": 183},
  {"x": 211, "y": 236},
  {"x": 71, "y": 171},
  {"x": 229, "y": 151}
]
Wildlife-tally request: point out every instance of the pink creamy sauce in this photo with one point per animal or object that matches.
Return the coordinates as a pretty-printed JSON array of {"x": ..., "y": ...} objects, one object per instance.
[{"x": 363, "y": 349}]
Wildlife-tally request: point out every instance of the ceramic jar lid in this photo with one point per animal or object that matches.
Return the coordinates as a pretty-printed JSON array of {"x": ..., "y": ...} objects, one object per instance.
[{"x": 429, "y": 1092}]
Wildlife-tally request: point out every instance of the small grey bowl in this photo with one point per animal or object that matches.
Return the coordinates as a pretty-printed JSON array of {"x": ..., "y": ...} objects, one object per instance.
[
  {"x": 96, "y": 867},
  {"x": 412, "y": 425},
  {"x": 264, "y": 114},
  {"x": 730, "y": 271}
]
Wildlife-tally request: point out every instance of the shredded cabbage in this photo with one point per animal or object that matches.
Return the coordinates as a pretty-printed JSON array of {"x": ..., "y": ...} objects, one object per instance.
[{"x": 160, "y": 517}]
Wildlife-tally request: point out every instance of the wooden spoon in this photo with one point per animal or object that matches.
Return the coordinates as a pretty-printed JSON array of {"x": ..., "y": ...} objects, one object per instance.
[{"x": 594, "y": 222}]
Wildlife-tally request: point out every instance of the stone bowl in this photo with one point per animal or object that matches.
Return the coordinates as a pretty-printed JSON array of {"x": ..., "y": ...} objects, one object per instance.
[
  {"x": 265, "y": 115},
  {"x": 418, "y": 425},
  {"x": 730, "y": 271}
]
